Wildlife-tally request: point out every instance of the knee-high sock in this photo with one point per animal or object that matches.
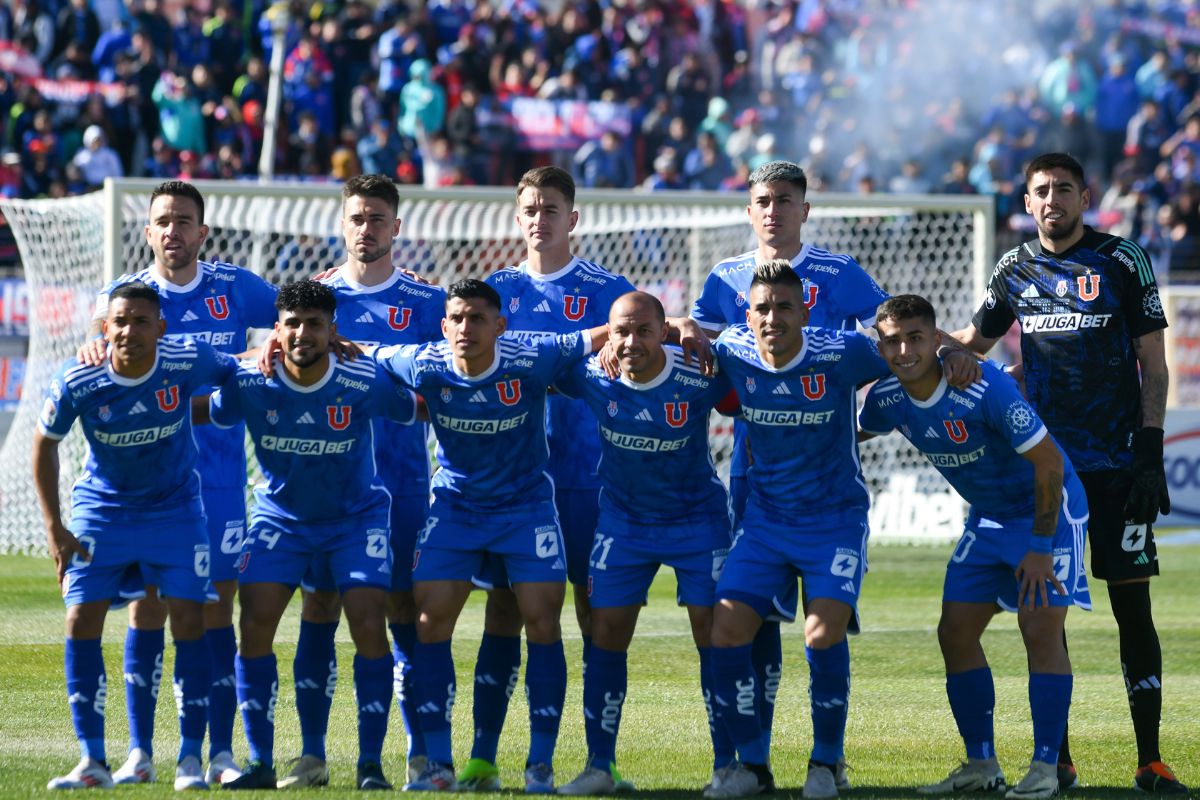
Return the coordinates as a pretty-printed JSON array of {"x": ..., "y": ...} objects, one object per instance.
[
  {"x": 404, "y": 636},
  {"x": 143, "y": 675},
  {"x": 546, "y": 691},
  {"x": 315, "y": 671},
  {"x": 373, "y": 691},
  {"x": 829, "y": 694},
  {"x": 972, "y": 696},
  {"x": 767, "y": 656},
  {"x": 434, "y": 687},
  {"x": 1050, "y": 702},
  {"x": 87, "y": 694},
  {"x": 258, "y": 691},
  {"x": 604, "y": 688},
  {"x": 496, "y": 671},
  {"x": 1141, "y": 662},
  {"x": 193, "y": 685},
  {"x": 222, "y": 696},
  {"x": 736, "y": 701}
]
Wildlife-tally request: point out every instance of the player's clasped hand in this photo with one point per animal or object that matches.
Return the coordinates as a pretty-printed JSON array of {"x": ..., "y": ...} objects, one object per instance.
[
  {"x": 63, "y": 547},
  {"x": 1148, "y": 496},
  {"x": 695, "y": 345},
  {"x": 962, "y": 369},
  {"x": 1033, "y": 573}
]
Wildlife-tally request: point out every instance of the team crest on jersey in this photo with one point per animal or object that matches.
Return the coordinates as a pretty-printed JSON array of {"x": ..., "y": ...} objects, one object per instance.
[
  {"x": 218, "y": 306},
  {"x": 810, "y": 295},
  {"x": 513, "y": 305},
  {"x": 243, "y": 561},
  {"x": 398, "y": 317},
  {"x": 956, "y": 430},
  {"x": 676, "y": 413},
  {"x": 338, "y": 417},
  {"x": 1061, "y": 288},
  {"x": 740, "y": 299},
  {"x": 907, "y": 431},
  {"x": 445, "y": 394},
  {"x": 612, "y": 408},
  {"x": 750, "y": 385},
  {"x": 509, "y": 391},
  {"x": 1089, "y": 286},
  {"x": 168, "y": 398},
  {"x": 273, "y": 416},
  {"x": 105, "y": 413},
  {"x": 574, "y": 307},
  {"x": 813, "y": 385}
]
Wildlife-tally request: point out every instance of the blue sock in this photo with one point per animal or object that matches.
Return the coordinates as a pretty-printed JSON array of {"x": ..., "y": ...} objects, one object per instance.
[
  {"x": 736, "y": 706},
  {"x": 972, "y": 696},
  {"x": 315, "y": 671},
  {"x": 829, "y": 694},
  {"x": 143, "y": 674},
  {"x": 404, "y": 634},
  {"x": 87, "y": 694},
  {"x": 496, "y": 671},
  {"x": 258, "y": 691},
  {"x": 433, "y": 690},
  {"x": 603, "y": 695},
  {"x": 373, "y": 690},
  {"x": 767, "y": 656},
  {"x": 193, "y": 683},
  {"x": 1050, "y": 702},
  {"x": 546, "y": 690},
  {"x": 585, "y": 654},
  {"x": 723, "y": 749},
  {"x": 222, "y": 696}
]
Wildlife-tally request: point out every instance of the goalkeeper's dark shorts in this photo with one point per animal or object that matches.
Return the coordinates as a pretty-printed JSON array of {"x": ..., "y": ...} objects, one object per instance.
[{"x": 1120, "y": 549}]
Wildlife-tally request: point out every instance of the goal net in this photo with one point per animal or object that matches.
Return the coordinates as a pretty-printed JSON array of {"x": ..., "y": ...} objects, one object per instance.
[{"x": 665, "y": 243}]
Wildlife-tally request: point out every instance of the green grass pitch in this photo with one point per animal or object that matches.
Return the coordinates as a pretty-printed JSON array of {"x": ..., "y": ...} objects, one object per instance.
[{"x": 900, "y": 730}]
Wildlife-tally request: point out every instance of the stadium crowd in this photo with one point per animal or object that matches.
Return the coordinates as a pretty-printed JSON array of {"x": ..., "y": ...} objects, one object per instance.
[{"x": 869, "y": 95}]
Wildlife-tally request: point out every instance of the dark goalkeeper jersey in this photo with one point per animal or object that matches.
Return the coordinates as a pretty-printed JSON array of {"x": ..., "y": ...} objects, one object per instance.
[{"x": 1079, "y": 312}]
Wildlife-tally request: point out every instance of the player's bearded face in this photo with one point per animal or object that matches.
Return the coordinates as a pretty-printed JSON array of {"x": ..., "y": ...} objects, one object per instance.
[
  {"x": 304, "y": 335},
  {"x": 175, "y": 233},
  {"x": 369, "y": 225},
  {"x": 909, "y": 347},
  {"x": 1056, "y": 202},
  {"x": 132, "y": 328},
  {"x": 777, "y": 316}
]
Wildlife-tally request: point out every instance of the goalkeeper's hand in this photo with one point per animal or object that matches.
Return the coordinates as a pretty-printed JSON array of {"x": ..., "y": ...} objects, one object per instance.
[{"x": 1148, "y": 495}]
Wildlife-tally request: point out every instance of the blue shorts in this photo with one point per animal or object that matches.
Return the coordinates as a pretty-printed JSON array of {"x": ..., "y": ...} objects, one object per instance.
[
  {"x": 786, "y": 605},
  {"x": 829, "y": 555},
  {"x": 407, "y": 519},
  {"x": 355, "y": 551},
  {"x": 981, "y": 569},
  {"x": 454, "y": 543},
  {"x": 172, "y": 554},
  {"x": 622, "y": 567},
  {"x": 226, "y": 512},
  {"x": 578, "y": 510}
]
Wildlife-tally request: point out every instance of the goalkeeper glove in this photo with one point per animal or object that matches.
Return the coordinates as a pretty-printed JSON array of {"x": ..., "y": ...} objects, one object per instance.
[{"x": 1148, "y": 494}]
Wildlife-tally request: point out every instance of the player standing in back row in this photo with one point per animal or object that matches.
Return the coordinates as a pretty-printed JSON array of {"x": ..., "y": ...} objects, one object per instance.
[{"x": 1086, "y": 299}]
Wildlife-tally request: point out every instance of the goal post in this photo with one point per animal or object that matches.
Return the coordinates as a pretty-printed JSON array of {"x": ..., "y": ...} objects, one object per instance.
[{"x": 666, "y": 243}]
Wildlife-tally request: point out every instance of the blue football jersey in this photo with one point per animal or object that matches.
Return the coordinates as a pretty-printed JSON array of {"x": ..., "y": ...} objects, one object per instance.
[
  {"x": 800, "y": 420},
  {"x": 141, "y": 458},
  {"x": 973, "y": 436},
  {"x": 315, "y": 444},
  {"x": 577, "y": 296},
  {"x": 837, "y": 292},
  {"x": 492, "y": 452},
  {"x": 398, "y": 311},
  {"x": 655, "y": 469},
  {"x": 217, "y": 307}
]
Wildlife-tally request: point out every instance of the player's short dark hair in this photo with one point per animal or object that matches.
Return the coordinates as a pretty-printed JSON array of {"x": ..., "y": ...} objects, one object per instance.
[
  {"x": 1048, "y": 161},
  {"x": 473, "y": 289},
  {"x": 378, "y": 186},
  {"x": 775, "y": 171},
  {"x": 776, "y": 272},
  {"x": 306, "y": 294},
  {"x": 135, "y": 290},
  {"x": 180, "y": 189},
  {"x": 906, "y": 306},
  {"x": 549, "y": 178},
  {"x": 646, "y": 298}
]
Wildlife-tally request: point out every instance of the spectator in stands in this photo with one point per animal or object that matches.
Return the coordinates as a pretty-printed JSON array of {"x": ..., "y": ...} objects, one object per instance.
[
  {"x": 1148, "y": 130},
  {"x": 604, "y": 164},
  {"x": 422, "y": 103},
  {"x": 706, "y": 166},
  {"x": 1116, "y": 102},
  {"x": 179, "y": 114},
  {"x": 76, "y": 23},
  {"x": 910, "y": 180},
  {"x": 379, "y": 152},
  {"x": 666, "y": 175},
  {"x": 1068, "y": 79}
]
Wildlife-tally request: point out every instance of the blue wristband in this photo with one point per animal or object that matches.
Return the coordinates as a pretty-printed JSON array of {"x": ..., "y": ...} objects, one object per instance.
[{"x": 1041, "y": 544}]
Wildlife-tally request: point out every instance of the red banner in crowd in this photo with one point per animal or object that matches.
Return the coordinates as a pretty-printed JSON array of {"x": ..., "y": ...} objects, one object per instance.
[
  {"x": 566, "y": 124},
  {"x": 19, "y": 61},
  {"x": 1161, "y": 30},
  {"x": 79, "y": 91}
]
